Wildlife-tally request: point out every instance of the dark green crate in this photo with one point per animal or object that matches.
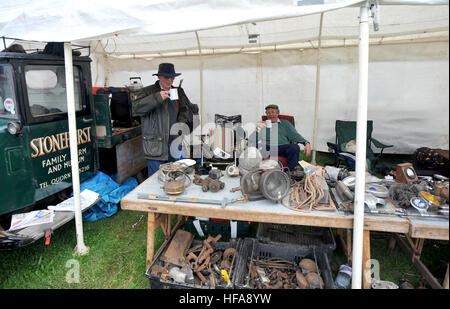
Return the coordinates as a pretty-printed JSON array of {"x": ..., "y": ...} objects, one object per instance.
[{"x": 214, "y": 228}]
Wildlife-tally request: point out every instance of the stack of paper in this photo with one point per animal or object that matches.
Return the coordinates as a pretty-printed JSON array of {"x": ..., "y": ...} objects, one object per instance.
[{"x": 87, "y": 198}]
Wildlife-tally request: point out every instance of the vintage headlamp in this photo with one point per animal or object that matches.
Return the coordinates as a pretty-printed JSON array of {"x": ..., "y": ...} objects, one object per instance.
[
  {"x": 272, "y": 184},
  {"x": 14, "y": 128}
]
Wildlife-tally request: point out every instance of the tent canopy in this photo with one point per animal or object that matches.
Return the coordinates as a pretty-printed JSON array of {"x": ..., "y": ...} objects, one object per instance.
[{"x": 157, "y": 28}]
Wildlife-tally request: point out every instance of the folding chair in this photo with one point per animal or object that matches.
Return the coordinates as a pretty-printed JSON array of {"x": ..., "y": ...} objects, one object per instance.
[{"x": 346, "y": 132}]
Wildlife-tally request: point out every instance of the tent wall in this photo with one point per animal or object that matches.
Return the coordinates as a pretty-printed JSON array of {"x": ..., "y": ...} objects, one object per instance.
[{"x": 408, "y": 88}]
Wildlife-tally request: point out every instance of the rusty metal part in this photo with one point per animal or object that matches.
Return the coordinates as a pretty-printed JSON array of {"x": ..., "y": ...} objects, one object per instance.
[
  {"x": 308, "y": 266},
  {"x": 216, "y": 257},
  {"x": 301, "y": 280},
  {"x": 208, "y": 183},
  {"x": 175, "y": 252},
  {"x": 195, "y": 249},
  {"x": 228, "y": 255},
  {"x": 158, "y": 270},
  {"x": 276, "y": 263},
  {"x": 203, "y": 264},
  {"x": 197, "y": 179},
  {"x": 315, "y": 281},
  {"x": 253, "y": 273},
  {"x": 191, "y": 257},
  {"x": 278, "y": 273},
  {"x": 215, "y": 174},
  {"x": 212, "y": 281},
  {"x": 441, "y": 189},
  {"x": 202, "y": 278},
  {"x": 174, "y": 187},
  {"x": 204, "y": 261}
]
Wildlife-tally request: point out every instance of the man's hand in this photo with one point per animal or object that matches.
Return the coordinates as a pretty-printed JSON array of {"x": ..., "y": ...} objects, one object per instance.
[
  {"x": 164, "y": 94},
  {"x": 307, "y": 149},
  {"x": 261, "y": 124}
]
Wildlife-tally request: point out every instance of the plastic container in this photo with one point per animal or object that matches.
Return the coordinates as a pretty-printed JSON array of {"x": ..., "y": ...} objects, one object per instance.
[
  {"x": 344, "y": 277},
  {"x": 300, "y": 235},
  {"x": 214, "y": 227},
  {"x": 252, "y": 248},
  {"x": 157, "y": 283}
]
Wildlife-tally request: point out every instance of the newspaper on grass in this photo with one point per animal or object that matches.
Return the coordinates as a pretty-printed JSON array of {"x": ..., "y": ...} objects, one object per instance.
[
  {"x": 20, "y": 221},
  {"x": 87, "y": 198}
]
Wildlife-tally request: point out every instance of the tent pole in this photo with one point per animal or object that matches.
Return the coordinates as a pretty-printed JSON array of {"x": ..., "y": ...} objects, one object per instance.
[
  {"x": 316, "y": 106},
  {"x": 81, "y": 248},
  {"x": 361, "y": 133},
  {"x": 201, "y": 77},
  {"x": 201, "y": 94}
]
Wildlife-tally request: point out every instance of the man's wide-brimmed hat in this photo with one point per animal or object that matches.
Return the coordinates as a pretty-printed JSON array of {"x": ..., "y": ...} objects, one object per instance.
[{"x": 167, "y": 70}]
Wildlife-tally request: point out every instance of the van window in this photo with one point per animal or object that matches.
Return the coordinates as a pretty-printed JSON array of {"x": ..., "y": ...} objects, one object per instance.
[
  {"x": 8, "y": 105},
  {"x": 46, "y": 87}
]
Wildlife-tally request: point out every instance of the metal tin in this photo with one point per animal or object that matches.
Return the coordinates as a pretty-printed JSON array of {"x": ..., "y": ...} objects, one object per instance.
[
  {"x": 430, "y": 198},
  {"x": 420, "y": 204},
  {"x": 377, "y": 190}
]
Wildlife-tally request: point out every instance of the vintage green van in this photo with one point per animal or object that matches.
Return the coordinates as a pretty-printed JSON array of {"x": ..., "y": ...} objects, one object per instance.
[{"x": 34, "y": 135}]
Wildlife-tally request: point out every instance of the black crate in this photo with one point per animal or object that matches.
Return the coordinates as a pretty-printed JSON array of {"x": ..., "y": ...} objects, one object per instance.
[
  {"x": 301, "y": 235},
  {"x": 293, "y": 253},
  {"x": 157, "y": 283},
  {"x": 214, "y": 228}
]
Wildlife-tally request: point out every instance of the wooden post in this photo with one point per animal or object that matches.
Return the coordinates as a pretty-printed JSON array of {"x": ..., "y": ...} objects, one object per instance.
[
  {"x": 419, "y": 247},
  {"x": 392, "y": 242},
  {"x": 349, "y": 246},
  {"x": 150, "y": 238},
  {"x": 367, "y": 276}
]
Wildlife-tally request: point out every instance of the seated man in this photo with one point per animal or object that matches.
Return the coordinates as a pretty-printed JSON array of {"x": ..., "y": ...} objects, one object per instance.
[{"x": 280, "y": 138}]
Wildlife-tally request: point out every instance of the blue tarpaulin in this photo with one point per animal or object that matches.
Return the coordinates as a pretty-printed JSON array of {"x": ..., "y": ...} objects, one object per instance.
[{"x": 110, "y": 193}]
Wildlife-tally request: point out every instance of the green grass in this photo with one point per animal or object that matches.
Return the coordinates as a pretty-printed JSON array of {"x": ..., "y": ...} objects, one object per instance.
[
  {"x": 117, "y": 255},
  {"x": 116, "y": 259}
]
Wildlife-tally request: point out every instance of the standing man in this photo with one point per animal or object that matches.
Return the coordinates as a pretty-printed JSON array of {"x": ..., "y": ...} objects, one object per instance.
[
  {"x": 281, "y": 138},
  {"x": 159, "y": 113}
]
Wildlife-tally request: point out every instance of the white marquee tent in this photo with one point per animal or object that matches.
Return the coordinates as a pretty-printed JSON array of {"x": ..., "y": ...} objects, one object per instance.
[
  {"x": 311, "y": 57},
  {"x": 267, "y": 52}
]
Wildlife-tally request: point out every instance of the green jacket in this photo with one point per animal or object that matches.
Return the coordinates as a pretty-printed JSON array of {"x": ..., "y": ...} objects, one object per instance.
[{"x": 286, "y": 134}]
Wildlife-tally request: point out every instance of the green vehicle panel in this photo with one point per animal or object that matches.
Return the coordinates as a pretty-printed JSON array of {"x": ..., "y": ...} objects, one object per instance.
[{"x": 35, "y": 162}]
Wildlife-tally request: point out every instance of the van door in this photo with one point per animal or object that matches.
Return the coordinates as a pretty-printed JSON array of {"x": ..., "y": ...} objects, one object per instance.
[
  {"x": 16, "y": 183},
  {"x": 47, "y": 132}
]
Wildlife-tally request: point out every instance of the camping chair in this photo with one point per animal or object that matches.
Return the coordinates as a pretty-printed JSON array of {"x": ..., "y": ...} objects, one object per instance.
[
  {"x": 345, "y": 133},
  {"x": 291, "y": 119},
  {"x": 223, "y": 141}
]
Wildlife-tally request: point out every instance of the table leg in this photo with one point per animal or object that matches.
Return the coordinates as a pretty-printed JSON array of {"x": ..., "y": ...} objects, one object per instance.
[
  {"x": 349, "y": 246},
  {"x": 445, "y": 283},
  {"x": 367, "y": 276},
  {"x": 169, "y": 226},
  {"x": 150, "y": 238}
]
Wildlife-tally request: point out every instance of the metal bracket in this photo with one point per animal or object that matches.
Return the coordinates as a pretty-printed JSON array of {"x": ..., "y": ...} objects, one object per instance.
[
  {"x": 371, "y": 201},
  {"x": 373, "y": 7}
]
